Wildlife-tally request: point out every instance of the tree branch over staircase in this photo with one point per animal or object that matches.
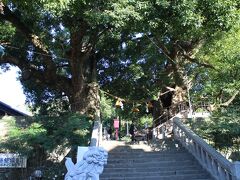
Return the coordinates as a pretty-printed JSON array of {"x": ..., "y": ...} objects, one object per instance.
[
  {"x": 10, "y": 16},
  {"x": 49, "y": 74},
  {"x": 227, "y": 103},
  {"x": 194, "y": 60}
]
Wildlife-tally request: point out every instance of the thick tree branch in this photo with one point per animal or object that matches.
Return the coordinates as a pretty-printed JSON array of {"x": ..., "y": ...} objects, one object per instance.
[
  {"x": 162, "y": 48},
  {"x": 31, "y": 71},
  {"x": 50, "y": 70},
  {"x": 9, "y": 59},
  {"x": 1, "y": 7},
  {"x": 188, "y": 48},
  {"x": 8, "y": 15},
  {"x": 214, "y": 107},
  {"x": 227, "y": 103},
  {"x": 99, "y": 32},
  {"x": 193, "y": 60}
]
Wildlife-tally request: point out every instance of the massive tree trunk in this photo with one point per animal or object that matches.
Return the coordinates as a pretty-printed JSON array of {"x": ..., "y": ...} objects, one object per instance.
[
  {"x": 86, "y": 100},
  {"x": 173, "y": 95},
  {"x": 84, "y": 96}
]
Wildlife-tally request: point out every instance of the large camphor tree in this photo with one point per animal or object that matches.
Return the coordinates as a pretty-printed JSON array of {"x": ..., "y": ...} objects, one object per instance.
[
  {"x": 169, "y": 50},
  {"x": 62, "y": 46},
  {"x": 188, "y": 26},
  {"x": 56, "y": 45}
]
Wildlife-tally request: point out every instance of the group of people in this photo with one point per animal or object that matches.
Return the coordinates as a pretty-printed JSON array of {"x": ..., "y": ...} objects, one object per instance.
[
  {"x": 133, "y": 131},
  {"x": 108, "y": 133}
]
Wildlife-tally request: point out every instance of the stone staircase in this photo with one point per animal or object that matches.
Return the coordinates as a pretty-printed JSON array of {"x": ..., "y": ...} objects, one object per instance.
[{"x": 159, "y": 160}]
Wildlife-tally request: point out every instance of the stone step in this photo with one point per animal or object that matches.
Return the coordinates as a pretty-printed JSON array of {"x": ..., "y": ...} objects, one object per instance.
[
  {"x": 163, "y": 160},
  {"x": 159, "y": 145},
  {"x": 202, "y": 176},
  {"x": 123, "y": 146},
  {"x": 135, "y": 153},
  {"x": 156, "y": 157},
  {"x": 153, "y": 164},
  {"x": 151, "y": 173},
  {"x": 2, "y": 170},
  {"x": 150, "y": 161},
  {"x": 152, "y": 169}
]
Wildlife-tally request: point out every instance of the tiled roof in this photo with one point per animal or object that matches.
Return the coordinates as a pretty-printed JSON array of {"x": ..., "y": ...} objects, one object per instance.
[{"x": 6, "y": 109}]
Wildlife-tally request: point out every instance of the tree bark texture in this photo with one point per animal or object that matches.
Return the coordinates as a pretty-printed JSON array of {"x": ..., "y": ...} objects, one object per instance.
[
  {"x": 86, "y": 101},
  {"x": 84, "y": 96}
]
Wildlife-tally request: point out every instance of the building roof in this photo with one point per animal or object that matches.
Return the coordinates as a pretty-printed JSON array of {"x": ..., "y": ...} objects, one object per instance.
[{"x": 8, "y": 110}]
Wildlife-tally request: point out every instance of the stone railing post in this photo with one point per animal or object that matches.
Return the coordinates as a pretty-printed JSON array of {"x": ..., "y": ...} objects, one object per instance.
[
  {"x": 162, "y": 132},
  {"x": 211, "y": 160},
  {"x": 236, "y": 170}
]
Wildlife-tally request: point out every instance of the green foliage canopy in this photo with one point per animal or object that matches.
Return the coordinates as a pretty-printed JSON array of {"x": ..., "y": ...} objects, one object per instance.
[
  {"x": 47, "y": 133},
  {"x": 137, "y": 45}
]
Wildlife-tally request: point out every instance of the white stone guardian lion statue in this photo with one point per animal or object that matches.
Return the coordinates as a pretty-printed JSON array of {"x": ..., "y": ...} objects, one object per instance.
[{"x": 90, "y": 167}]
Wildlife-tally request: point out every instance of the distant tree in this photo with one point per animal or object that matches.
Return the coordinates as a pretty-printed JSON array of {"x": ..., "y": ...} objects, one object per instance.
[{"x": 161, "y": 51}]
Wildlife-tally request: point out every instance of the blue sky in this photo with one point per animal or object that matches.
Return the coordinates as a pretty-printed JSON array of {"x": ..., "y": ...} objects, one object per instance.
[{"x": 11, "y": 91}]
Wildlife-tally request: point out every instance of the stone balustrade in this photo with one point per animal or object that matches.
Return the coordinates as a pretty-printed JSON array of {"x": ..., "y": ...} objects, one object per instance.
[
  {"x": 161, "y": 131},
  {"x": 96, "y": 137},
  {"x": 90, "y": 160},
  {"x": 217, "y": 165}
]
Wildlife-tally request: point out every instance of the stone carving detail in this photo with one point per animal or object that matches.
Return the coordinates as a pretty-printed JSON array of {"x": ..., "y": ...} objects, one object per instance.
[{"x": 90, "y": 167}]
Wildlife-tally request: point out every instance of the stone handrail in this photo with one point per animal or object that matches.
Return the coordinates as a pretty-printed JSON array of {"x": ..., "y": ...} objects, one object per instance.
[
  {"x": 96, "y": 137},
  {"x": 217, "y": 165},
  {"x": 90, "y": 160},
  {"x": 161, "y": 131}
]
